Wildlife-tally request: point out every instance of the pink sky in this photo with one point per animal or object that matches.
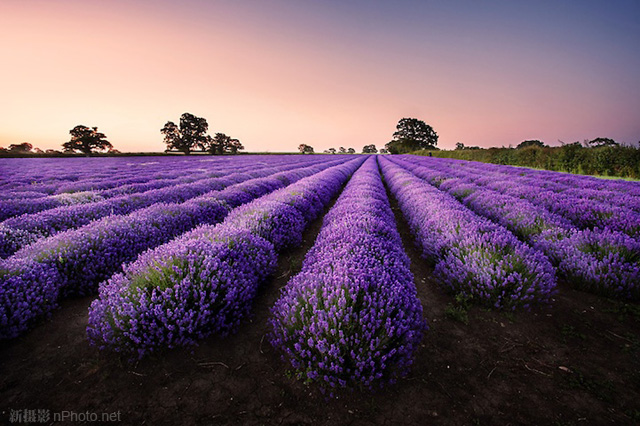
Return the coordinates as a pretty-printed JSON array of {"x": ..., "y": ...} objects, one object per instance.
[{"x": 279, "y": 73}]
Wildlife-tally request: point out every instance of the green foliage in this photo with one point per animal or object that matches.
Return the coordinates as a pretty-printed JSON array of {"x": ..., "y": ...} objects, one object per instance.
[
  {"x": 188, "y": 135},
  {"x": 528, "y": 143},
  {"x": 412, "y": 134},
  {"x": 86, "y": 139},
  {"x": 369, "y": 149},
  {"x": 605, "y": 160},
  {"x": 459, "y": 311},
  {"x": 305, "y": 149}
]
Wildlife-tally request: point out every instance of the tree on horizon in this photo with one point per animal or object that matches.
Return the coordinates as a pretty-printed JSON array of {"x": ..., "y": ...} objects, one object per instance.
[
  {"x": 190, "y": 133},
  {"x": 220, "y": 143},
  {"x": 305, "y": 149},
  {"x": 411, "y": 135},
  {"x": 86, "y": 139},
  {"x": 369, "y": 149},
  {"x": 533, "y": 142}
]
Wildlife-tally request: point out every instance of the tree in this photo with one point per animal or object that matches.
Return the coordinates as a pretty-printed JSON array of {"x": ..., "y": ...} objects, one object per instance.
[
  {"x": 459, "y": 146},
  {"x": 20, "y": 148},
  {"x": 86, "y": 139},
  {"x": 383, "y": 151},
  {"x": 411, "y": 135},
  {"x": 219, "y": 144},
  {"x": 595, "y": 143},
  {"x": 191, "y": 133},
  {"x": 351, "y": 150},
  {"x": 527, "y": 143},
  {"x": 234, "y": 146},
  {"x": 331, "y": 150},
  {"x": 305, "y": 149},
  {"x": 369, "y": 149},
  {"x": 342, "y": 150}
]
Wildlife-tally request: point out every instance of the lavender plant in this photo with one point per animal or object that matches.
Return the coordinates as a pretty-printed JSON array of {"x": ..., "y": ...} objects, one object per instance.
[
  {"x": 205, "y": 281},
  {"x": 471, "y": 255},
  {"x": 351, "y": 317}
]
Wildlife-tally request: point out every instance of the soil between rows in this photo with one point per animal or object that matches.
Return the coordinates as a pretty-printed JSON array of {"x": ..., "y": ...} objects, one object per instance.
[{"x": 575, "y": 363}]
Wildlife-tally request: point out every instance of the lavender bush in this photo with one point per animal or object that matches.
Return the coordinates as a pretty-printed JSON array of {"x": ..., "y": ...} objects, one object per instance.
[
  {"x": 351, "y": 317},
  {"x": 601, "y": 261},
  {"x": 205, "y": 281},
  {"x": 472, "y": 256},
  {"x": 84, "y": 257}
]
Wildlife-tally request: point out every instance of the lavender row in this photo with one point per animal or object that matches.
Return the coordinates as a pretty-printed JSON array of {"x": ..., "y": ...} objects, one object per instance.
[
  {"x": 17, "y": 232},
  {"x": 472, "y": 256},
  {"x": 617, "y": 213},
  {"x": 620, "y": 194},
  {"x": 599, "y": 261},
  {"x": 92, "y": 190},
  {"x": 565, "y": 181},
  {"x": 553, "y": 180},
  {"x": 74, "y": 262},
  {"x": 205, "y": 281},
  {"x": 351, "y": 318},
  {"x": 50, "y": 175}
]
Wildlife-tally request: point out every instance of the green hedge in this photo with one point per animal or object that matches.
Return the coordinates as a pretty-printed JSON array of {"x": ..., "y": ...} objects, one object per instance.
[{"x": 618, "y": 161}]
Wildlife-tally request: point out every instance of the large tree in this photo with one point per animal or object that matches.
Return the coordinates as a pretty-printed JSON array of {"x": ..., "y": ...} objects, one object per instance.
[
  {"x": 369, "y": 149},
  {"x": 191, "y": 133},
  {"x": 305, "y": 149},
  {"x": 86, "y": 139},
  {"x": 21, "y": 148},
  {"x": 411, "y": 135},
  {"x": 220, "y": 143}
]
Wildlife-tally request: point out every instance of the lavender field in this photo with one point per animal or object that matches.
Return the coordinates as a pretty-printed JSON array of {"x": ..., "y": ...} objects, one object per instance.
[{"x": 447, "y": 290}]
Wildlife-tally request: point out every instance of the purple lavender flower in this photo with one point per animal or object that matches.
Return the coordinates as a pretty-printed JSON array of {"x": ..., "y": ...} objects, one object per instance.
[{"x": 351, "y": 317}]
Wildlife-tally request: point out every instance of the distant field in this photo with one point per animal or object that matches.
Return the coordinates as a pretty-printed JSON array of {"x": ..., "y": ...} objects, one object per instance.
[
  {"x": 609, "y": 161},
  {"x": 261, "y": 289}
]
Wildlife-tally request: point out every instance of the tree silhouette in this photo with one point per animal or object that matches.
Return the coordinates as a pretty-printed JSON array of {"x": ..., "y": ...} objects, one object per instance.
[
  {"x": 305, "y": 149},
  {"x": 86, "y": 139},
  {"x": 369, "y": 149},
  {"x": 20, "y": 148},
  {"x": 412, "y": 134},
  {"x": 220, "y": 143},
  {"x": 351, "y": 150},
  {"x": 234, "y": 146},
  {"x": 342, "y": 150},
  {"x": 597, "y": 142},
  {"x": 527, "y": 143},
  {"x": 191, "y": 133}
]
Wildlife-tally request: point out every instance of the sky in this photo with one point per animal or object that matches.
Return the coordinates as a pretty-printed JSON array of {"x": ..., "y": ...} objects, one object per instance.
[{"x": 276, "y": 73}]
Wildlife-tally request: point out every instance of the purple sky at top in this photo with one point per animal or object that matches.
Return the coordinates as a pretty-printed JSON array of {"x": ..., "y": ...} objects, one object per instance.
[{"x": 333, "y": 73}]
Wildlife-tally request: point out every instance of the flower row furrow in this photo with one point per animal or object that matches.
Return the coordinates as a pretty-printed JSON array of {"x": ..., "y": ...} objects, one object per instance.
[
  {"x": 351, "y": 317},
  {"x": 472, "y": 256},
  {"x": 204, "y": 282},
  {"x": 600, "y": 260},
  {"x": 19, "y": 231},
  {"x": 73, "y": 262},
  {"x": 616, "y": 212}
]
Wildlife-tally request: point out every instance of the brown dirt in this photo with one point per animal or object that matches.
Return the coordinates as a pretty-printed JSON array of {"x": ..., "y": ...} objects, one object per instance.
[{"x": 576, "y": 363}]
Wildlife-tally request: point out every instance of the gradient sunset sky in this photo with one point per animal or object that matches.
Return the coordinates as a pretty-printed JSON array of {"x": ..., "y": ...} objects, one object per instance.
[{"x": 326, "y": 73}]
